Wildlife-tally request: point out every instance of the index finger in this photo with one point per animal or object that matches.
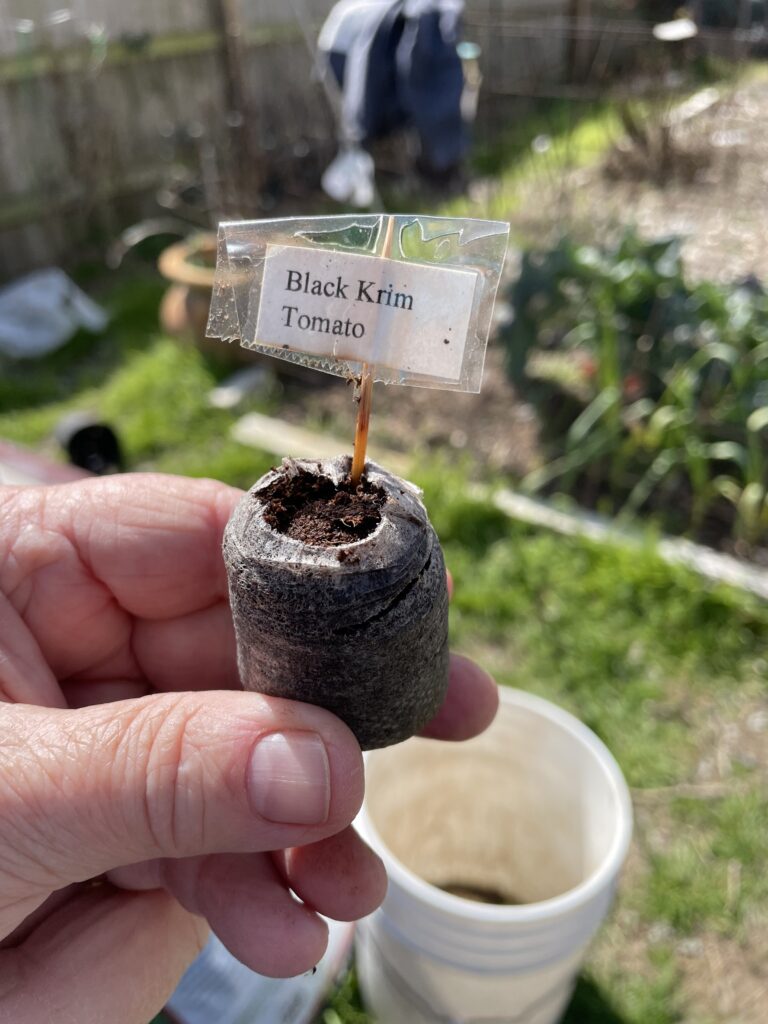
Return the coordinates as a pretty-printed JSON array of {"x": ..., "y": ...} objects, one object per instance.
[
  {"x": 153, "y": 541},
  {"x": 88, "y": 565}
]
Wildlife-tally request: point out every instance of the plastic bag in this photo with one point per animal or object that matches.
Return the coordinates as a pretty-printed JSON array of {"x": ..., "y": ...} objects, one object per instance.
[
  {"x": 409, "y": 297},
  {"x": 40, "y": 312}
]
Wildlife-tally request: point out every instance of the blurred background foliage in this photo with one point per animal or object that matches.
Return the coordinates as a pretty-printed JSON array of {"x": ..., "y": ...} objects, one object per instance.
[{"x": 653, "y": 391}]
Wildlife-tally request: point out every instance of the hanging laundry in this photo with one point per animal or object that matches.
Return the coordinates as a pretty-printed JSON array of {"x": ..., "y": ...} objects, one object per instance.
[
  {"x": 396, "y": 65},
  {"x": 350, "y": 177}
]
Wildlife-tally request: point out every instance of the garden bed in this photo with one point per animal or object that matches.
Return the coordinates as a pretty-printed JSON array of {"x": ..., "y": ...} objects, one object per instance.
[{"x": 669, "y": 670}]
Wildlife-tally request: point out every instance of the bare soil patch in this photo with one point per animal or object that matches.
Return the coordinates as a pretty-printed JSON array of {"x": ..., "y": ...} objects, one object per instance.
[{"x": 496, "y": 430}]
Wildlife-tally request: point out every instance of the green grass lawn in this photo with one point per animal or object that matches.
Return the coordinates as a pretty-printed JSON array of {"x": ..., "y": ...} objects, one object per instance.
[{"x": 670, "y": 671}]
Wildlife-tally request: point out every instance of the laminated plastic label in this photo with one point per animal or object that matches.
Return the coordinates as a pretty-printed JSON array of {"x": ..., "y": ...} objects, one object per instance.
[{"x": 409, "y": 297}]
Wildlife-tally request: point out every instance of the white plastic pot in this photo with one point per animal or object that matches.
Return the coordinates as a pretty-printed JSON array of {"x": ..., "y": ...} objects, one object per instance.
[{"x": 535, "y": 810}]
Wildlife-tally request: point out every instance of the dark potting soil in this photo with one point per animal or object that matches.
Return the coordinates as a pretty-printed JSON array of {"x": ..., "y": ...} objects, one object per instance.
[
  {"x": 479, "y": 894},
  {"x": 315, "y": 510}
]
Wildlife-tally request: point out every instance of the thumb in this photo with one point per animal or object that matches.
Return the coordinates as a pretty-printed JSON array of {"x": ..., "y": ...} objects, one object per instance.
[{"x": 173, "y": 775}]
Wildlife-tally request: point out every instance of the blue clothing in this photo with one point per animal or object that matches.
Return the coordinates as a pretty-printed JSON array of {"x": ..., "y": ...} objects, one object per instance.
[{"x": 397, "y": 65}]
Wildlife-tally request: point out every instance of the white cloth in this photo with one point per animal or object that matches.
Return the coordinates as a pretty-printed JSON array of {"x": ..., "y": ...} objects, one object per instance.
[
  {"x": 342, "y": 25},
  {"x": 40, "y": 312},
  {"x": 350, "y": 177}
]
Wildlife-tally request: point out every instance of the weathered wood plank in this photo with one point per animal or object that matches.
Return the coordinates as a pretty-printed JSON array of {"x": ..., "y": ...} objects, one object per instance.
[
  {"x": 15, "y": 67},
  {"x": 76, "y": 138}
]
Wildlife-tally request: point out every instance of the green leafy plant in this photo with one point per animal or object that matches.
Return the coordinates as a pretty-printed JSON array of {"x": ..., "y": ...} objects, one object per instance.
[{"x": 653, "y": 392}]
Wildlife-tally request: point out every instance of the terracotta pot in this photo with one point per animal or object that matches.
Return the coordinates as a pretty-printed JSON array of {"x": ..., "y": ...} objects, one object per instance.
[{"x": 190, "y": 266}]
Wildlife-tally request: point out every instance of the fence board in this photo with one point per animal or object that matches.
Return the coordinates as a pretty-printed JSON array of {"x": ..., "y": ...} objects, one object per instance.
[
  {"x": 119, "y": 18},
  {"x": 80, "y": 149}
]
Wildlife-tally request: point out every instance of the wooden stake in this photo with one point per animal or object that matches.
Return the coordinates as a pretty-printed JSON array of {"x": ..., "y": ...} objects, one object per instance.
[
  {"x": 366, "y": 388},
  {"x": 362, "y": 424}
]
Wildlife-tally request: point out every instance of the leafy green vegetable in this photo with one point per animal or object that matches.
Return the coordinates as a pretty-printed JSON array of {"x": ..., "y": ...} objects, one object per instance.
[{"x": 654, "y": 392}]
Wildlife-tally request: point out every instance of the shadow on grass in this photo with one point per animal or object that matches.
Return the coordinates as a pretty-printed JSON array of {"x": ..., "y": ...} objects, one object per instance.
[{"x": 590, "y": 1006}]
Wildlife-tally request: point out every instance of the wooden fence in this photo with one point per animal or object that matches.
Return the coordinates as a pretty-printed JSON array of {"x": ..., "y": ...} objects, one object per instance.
[
  {"x": 98, "y": 113},
  {"x": 206, "y": 105}
]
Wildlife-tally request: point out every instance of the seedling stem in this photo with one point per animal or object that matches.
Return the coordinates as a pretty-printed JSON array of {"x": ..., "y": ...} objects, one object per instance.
[{"x": 366, "y": 388}]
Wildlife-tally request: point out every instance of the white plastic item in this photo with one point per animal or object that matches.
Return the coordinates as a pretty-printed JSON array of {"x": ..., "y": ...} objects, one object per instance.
[
  {"x": 535, "y": 811},
  {"x": 350, "y": 178},
  {"x": 406, "y": 297},
  {"x": 40, "y": 312},
  {"x": 218, "y": 989}
]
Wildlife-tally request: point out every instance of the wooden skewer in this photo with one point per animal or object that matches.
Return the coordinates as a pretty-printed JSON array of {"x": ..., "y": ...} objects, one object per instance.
[
  {"x": 362, "y": 424},
  {"x": 366, "y": 389}
]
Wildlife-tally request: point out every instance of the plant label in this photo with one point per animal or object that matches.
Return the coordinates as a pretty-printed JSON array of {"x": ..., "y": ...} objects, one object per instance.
[
  {"x": 405, "y": 316},
  {"x": 400, "y": 298}
]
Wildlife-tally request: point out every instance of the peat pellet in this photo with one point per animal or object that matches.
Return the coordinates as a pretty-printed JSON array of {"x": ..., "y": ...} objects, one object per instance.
[{"x": 339, "y": 596}]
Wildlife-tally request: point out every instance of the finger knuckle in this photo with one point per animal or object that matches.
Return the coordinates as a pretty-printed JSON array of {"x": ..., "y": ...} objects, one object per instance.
[{"x": 163, "y": 743}]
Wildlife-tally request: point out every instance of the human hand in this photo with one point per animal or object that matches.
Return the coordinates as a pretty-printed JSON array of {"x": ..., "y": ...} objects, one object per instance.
[{"x": 140, "y": 790}]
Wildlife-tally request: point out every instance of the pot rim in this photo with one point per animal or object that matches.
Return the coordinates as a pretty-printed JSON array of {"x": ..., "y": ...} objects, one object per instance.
[{"x": 174, "y": 262}]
